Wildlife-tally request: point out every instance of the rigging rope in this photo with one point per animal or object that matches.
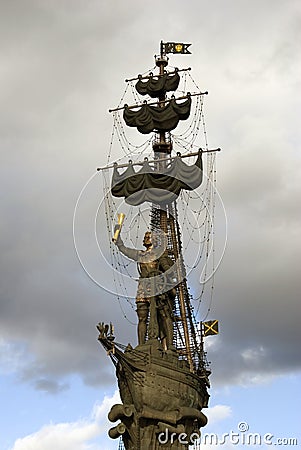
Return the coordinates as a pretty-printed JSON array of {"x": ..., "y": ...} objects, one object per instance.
[{"x": 198, "y": 230}]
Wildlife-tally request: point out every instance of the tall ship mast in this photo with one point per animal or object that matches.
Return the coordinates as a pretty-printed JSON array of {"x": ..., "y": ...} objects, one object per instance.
[{"x": 164, "y": 380}]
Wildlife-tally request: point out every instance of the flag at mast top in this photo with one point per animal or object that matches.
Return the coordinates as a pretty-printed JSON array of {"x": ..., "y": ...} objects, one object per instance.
[{"x": 174, "y": 47}]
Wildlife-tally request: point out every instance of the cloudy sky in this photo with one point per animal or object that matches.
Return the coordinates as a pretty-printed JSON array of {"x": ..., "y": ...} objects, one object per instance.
[{"x": 62, "y": 66}]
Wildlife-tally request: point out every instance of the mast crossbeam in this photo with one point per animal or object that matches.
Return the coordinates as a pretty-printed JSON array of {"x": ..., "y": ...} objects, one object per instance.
[
  {"x": 160, "y": 102},
  {"x": 145, "y": 77},
  {"x": 171, "y": 158}
]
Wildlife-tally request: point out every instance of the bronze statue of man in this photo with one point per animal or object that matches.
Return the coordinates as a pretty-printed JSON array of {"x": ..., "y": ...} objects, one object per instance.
[{"x": 152, "y": 263}]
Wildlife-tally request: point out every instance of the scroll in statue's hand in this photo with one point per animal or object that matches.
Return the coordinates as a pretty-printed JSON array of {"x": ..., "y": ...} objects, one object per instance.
[{"x": 116, "y": 237}]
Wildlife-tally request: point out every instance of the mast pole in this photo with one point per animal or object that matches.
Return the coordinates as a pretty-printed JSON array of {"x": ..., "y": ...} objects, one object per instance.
[
  {"x": 161, "y": 147},
  {"x": 168, "y": 220},
  {"x": 162, "y": 63}
]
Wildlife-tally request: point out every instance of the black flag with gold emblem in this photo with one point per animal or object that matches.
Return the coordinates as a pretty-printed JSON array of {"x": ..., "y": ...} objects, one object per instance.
[
  {"x": 210, "y": 327},
  {"x": 174, "y": 47}
]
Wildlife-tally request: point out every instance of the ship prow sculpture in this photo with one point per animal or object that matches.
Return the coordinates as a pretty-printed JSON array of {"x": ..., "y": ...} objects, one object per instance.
[{"x": 163, "y": 381}]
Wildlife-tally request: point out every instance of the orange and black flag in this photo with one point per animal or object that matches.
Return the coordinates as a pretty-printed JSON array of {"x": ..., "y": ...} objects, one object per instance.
[
  {"x": 210, "y": 327},
  {"x": 175, "y": 47}
]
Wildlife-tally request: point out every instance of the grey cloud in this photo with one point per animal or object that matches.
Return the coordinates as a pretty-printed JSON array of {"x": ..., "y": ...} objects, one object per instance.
[{"x": 50, "y": 386}]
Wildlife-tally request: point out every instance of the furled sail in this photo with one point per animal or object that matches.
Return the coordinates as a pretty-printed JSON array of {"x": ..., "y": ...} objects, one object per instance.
[
  {"x": 163, "y": 186},
  {"x": 149, "y": 118},
  {"x": 154, "y": 87}
]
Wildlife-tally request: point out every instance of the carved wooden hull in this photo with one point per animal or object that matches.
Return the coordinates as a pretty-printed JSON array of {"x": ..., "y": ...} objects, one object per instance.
[{"x": 160, "y": 397}]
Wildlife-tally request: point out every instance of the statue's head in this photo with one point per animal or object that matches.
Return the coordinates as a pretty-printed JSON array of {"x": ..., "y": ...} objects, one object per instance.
[
  {"x": 147, "y": 240},
  {"x": 155, "y": 239}
]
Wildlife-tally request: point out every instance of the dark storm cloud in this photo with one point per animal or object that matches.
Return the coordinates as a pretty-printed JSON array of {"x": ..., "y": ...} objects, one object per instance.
[{"x": 61, "y": 69}]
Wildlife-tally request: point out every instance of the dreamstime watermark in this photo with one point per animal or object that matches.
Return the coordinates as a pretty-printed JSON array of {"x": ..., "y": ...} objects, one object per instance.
[{"x": 242, "y": 436}]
